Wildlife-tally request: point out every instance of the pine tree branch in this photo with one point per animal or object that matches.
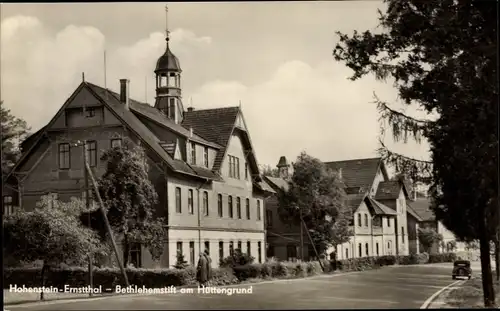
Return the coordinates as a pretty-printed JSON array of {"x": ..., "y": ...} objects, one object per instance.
[
  {"x": 417, "y": 170},
  {"x": 402, "y": 126}
]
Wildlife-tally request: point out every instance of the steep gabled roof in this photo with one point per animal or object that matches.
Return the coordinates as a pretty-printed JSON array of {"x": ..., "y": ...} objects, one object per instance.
[
  {"x": 422, "y": 208},
  {"x": 389, "y": 190},
  {"x": 359, "y": 172},
  {"x": 354, "y": 201},
  {"x": 215, "y": 125},
  {"x": 381, "y": 209},
  {"x": 413, "y": 213},
  {"x": 277, "y": 183},
  {"x": 128, "y": 118}
]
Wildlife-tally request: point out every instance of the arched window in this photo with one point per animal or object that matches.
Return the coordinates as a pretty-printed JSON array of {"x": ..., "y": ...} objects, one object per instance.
[
  {"x": 359, "y": 220},
  {"x": 366, "y": 220},
  {"x": 359, "y": 250},
  {"x": 346, "y": 253},
  {"x": 367, "y": 250}
]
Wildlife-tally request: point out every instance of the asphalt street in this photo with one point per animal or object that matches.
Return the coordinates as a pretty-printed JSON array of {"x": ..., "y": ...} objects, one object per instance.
[{"x": 389, "y": 287}]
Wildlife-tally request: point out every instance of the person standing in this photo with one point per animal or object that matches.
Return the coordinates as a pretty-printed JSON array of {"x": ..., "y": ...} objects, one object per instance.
[{"x": 204, "y": 269}]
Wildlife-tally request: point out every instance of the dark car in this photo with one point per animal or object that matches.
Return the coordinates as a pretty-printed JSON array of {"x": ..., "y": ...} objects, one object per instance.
[{"x": 461, "y": 268}]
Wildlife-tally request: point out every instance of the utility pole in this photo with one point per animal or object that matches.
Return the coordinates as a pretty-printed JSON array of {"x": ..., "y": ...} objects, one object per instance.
[
  {"x": 106, "y": 222},
  {"x": 87, "y": 205},
  {"x": 301, "y": 238},
  {"x": 311, "y": 240}
]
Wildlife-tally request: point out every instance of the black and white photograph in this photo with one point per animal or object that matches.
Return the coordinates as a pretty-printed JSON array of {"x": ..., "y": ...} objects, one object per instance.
[{"x": 250, "y": 155}]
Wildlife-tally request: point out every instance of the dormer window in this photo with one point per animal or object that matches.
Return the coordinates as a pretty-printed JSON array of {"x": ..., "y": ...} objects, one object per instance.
[
  {"x": 193, "y": 153},
  {"x": 205, "y": 156}
]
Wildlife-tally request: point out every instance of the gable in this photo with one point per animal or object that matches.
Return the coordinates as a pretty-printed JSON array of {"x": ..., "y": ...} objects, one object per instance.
[
  {"x": 240, "y": 123},
  {"x": 358, "y": 173}
]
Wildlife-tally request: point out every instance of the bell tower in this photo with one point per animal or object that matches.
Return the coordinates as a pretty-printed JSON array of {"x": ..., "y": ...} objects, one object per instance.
[{"x": 168, "y": 82}]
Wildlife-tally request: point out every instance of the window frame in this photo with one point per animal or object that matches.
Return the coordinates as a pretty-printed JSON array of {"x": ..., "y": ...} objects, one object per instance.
[
  {"x": 205, "y": 204},
  {"x": 91, "y": 150},
  {"x": 247, "y": 207},
  {"x": 230, "y": 206},
  {"x": 190, "y": 202},
  {"x": 238, "y": 207},
  {"x": 220, "y": 205},
  {"x": 205, "y": 157},
  {"x": 178, "y": 200},
  {"x": 64, "y": 155}
]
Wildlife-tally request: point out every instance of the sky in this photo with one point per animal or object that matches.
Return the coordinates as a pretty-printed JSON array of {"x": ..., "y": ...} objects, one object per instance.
[{"x": 275, "y": 58}]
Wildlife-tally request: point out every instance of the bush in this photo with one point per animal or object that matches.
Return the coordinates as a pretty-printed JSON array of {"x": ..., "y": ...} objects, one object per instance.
[
  {"x": 444, "y": 257},
  {"x": 110, "y": 277},
  {"x": 237, "y": 259},
  {"x": 387, "y": 260},
  {"x": 361, "y": 264},
  {"x": 181, "y": 263}
]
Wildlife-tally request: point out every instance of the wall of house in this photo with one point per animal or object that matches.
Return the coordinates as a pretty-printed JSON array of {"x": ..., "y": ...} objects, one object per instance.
[
  {"x": 214, "y": 238},
  {"x": 402, "y": 229}
]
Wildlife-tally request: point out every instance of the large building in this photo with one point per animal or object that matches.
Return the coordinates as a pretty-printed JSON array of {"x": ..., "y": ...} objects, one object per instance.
[
  {"x": 202, "y": 164},
  {"x": 379, "y": 207}
]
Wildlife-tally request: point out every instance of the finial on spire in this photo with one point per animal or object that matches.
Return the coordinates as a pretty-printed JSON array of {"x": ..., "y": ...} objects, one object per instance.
[{"x": 167, "y": 33}]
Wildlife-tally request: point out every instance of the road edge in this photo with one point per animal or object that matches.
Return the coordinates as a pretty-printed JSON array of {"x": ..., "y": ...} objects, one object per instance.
[
  {"x": 434, "y": 296},
  {"x": 113, "y": 295}
]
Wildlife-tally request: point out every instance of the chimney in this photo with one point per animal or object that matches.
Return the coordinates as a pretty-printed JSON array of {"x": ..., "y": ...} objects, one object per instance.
[
  {"x": 190, "y": 109},
  {"x": 124, "y": 92},
  {"x": 283, "y": 167}
]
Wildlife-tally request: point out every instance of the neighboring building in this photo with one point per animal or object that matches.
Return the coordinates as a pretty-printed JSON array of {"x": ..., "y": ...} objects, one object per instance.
[
  {"x": 422, "y": 206},
  {"x": 380, "y": 214},
  {"x": 202, "y": 164}
]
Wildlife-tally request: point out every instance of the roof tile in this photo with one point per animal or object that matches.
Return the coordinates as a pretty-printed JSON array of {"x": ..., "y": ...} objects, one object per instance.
[
  {"x": 357, "y": 173},
  {"x": 422, "y": 207},
  {"x": 388, "y": 190}
]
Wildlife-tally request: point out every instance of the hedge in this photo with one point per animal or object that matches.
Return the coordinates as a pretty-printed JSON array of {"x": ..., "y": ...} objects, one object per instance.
[{"x": 151, "y": 278}]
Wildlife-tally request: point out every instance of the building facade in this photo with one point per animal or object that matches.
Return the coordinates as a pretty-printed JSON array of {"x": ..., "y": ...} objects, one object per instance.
[
  {"x": 202, "y": 165},
  {"x": 380, "y": 214}
]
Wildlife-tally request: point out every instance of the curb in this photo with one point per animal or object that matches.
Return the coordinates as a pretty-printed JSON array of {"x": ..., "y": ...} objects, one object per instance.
[
  {"x": 111, "y": 295},
  {"x": 431, "y": 301}
]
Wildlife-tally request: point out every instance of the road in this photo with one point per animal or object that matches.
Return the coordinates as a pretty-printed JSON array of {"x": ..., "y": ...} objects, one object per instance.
[{"x": 390, "y": 287}]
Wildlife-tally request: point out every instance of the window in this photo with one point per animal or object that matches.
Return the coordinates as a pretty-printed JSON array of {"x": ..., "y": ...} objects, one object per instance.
[
  {"x": 171, "y": 108},
  {"x": 205, "y": 156},
  {"x": 207, "y": 246},
  {"x": 269, "y": 218},
  {"x": 190, "y": 202},
  {"x": 178, "y": 202},
  {"x": 92, "y": 153},
  {"x": 89, "y": 112},
  {"x": 259, "y": 216},
  {"x": 221, "y": 250},
  {"x": 193, "y": 153},
  {"x": 291, "y": 252},
  {"x": 64, "y": 156},
  {"x": 191, "y": 253},
  {"x": 270, "y": 251},
  {"x": 403, "y": 235},
  {"x": 234, "y": 167},
  {"x": 238, "y": 207},
  {"x": 366, "y": 220},
  {"x": 205, "y": 203},
  {"x": 246, "y": 170},
  {"x": 376, "y": 248},
  {"x": 219, "y": 205},
  {"x": 239, "y": 246},
  {"x": 249, "y": 248},
  {"x": 179, "y": 248},
  {"x": 259, "y": 249},
  {"x": 388, "y": 222},
  {"x": 230, "y": 206},
  {"x": 135, "y": 255},
  {"x": 231, "y": 248},
  {"x": 116, "y": 142},
  {"x": 346, "y": 253},
  {"x": 367, "y": 251},
  {"x": 359, "y": 220},
  {"x": 360, "y": 253},
  {"x": 248, "y": 208},
  {"x": 8, "y": 209}
]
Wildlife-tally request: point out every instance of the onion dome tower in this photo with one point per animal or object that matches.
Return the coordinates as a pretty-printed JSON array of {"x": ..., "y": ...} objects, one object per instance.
[{"x": 168, "y": 82}]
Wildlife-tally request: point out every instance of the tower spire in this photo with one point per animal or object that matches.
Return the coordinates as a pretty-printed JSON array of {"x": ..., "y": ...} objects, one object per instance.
[{"x": 167, "y": 32}]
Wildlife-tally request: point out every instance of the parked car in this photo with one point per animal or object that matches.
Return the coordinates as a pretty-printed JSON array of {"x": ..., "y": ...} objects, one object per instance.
[{"x": 461, "y": 268}]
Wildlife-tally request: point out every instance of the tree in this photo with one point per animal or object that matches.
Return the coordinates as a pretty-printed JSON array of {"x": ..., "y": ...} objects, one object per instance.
[
  {"x": 181, "y": 263},
  {"x": 441, "y": 56},
  {"x": 14, "y": 130},
  {"x": 51, "y": 233},
  {"x": 267, "y": 170},
  {"x": 428, "y": 237},
  {"x": 316, "y": 195},
  {"x": 130, "y": 199}
]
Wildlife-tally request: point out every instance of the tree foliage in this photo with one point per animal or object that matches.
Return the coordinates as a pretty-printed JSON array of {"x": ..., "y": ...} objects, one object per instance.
[
  {"x": 267, "y": 170},
  {"x": 316, "y": 194},
  {"x": 130, "y": 199},
  {"x": 429, "y": 237},
  {"x": 14, "y": 131},
  {"x": 441, "y": 56},
  {"x": 52, "y": 233}
]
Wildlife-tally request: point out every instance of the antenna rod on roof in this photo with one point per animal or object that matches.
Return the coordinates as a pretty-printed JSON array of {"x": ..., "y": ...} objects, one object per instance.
[
  {"x": 105, "y": 78},
  {"x": 83, "y": 76}
]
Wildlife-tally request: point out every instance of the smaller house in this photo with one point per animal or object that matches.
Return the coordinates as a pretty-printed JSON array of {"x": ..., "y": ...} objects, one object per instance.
[{"x": 421, "y": 207}]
